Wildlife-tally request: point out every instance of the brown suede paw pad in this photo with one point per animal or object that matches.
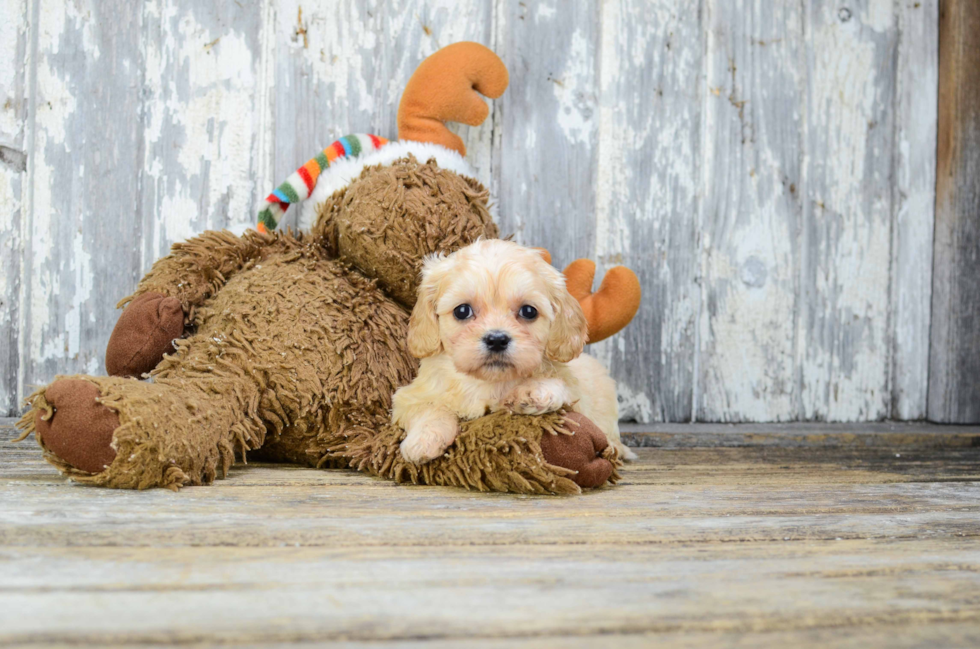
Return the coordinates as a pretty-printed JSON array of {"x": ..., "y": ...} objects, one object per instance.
[
  {"x": 144, "y": 333},
  {"x": 79, "y": 430},
  {"x": 580, "y": 452}
]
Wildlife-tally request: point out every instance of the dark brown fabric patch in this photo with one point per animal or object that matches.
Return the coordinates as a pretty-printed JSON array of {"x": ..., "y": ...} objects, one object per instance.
[
  {"x": 144, "y": 333},
  {"x": 75, "y": 427}
]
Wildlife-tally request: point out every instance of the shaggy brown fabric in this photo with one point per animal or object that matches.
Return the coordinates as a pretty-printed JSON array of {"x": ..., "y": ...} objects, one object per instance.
[
  {"x": 196, "y": 269},
  {"x": 169, "y": 435},
  {"x": 144, "y": 333},
  {"x": 498, "y": 452},
  {"x": 295, "y": 352},
  {"x": 392, "y": 217}
]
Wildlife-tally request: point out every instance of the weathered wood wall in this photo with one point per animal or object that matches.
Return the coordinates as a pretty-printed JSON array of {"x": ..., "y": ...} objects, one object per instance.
[
  {"x": 954, "y": 391},
  {"x": 767, "y": 167}
]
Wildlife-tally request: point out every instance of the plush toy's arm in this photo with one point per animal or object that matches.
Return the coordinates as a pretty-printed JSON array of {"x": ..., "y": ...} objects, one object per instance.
[
  {"x": 166, "y": 299},
  {"x": 554, "y": 453},
  {"x": 197, "y": 268}
]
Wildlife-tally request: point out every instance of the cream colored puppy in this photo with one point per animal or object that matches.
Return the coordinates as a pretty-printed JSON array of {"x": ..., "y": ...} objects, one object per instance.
[{"x": 496, "y": 329}]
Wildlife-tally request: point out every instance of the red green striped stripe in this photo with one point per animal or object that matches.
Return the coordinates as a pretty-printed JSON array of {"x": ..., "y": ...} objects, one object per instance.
[
  {"x": 307, "y": 178},
  {"x": 291, "y": 191}
]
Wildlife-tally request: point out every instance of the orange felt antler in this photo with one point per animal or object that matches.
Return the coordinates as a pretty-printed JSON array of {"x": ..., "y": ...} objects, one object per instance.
[
  {"x": 610, "y": 308},
  {"x": 446, "y": 87}
]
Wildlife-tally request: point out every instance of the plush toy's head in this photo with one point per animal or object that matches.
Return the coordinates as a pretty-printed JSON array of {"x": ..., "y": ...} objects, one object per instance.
[
  {"x": 392, "y": 216},
  {"x": 384, "y": 206},
  {"x": 388, "y": 208}
]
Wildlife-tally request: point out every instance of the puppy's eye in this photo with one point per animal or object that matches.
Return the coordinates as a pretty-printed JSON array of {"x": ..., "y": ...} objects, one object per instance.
[
  {"x": 527, "y": 312},
  {"x": 463, "y": 312}
]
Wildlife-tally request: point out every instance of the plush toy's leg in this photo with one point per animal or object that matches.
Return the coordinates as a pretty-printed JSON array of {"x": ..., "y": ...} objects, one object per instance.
[
  {"x": 186, "y": 427},
  {"x": 73, "y": 426},
  {"x": 130, "y": 434},
  {"x": 584, "y": 450},
  {"x": 299, "y": 347}
]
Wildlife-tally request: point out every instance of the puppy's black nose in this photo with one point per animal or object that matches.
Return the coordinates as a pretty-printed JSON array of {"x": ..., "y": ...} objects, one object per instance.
[{"x": 496, "y": 341}]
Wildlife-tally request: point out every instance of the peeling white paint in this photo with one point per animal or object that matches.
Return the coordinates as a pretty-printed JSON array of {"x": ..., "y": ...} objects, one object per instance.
[
  {"x": 14, "y": 207},
  {"x": 796, "y": 319},
  {"x": 338, "y": 54},
  {"x": 13, "y": 21},
  {"x": 574, "y": 90},
  {"x": 265, "y": 162},
  {"x": 752, "y": 146},
  {"x": 845, "y": 360},
  {"x": 912, "y": 247},
  {"x": 203, "y": 85},
  {"x": 9, "y": 243},
  {"x": 634, "y": 406},
  {"x": 646, "y": 188},
  {"x": 177, "y": 210},
  {"x": 879, "y": 15},
  {"x": 55, "y": 101},
  {"x": 81, "y": 265},
  {"x": 544, "y": 12},
  {"x": 44, "y": 285},
  {"x": 83, "y": 22}
]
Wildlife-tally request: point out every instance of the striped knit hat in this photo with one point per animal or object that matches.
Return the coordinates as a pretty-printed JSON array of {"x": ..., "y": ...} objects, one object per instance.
[{"x": 300, "y": 184}]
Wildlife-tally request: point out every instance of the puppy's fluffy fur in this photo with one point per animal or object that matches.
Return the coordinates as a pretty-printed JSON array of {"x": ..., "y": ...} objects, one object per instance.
[{"x": 517, "y": 346}]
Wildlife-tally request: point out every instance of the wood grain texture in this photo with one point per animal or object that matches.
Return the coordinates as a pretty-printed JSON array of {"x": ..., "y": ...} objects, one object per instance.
[
  {"x": 545, "y": 177},
  {"x": 694, "y": 546},
  {"x": 203, "y": 595},
  {"x": 82, "y": 243},
  {"x": 646, "y": 197},
  {"x": 914, "y": 194},
  {"x": 14, "y": 78},
  {"x": 954, "y": 361},
  {"x": 765, "y": 167},
  {"x": 751, "y": 214},
  {"x": 942, "y": 634},
  {"x": 847, "y": 211},
  {"x": 888, "y": 437}
]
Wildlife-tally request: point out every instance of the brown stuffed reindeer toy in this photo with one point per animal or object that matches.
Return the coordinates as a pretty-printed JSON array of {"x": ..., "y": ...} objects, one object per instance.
[{"x": 288, "y": 347}]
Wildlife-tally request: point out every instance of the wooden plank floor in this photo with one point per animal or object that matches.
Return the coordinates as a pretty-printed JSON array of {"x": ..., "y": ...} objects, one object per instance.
[{"x": 760, "y": 545}]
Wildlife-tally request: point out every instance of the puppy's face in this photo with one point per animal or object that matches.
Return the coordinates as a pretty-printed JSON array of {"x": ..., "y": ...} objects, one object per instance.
[{"x": 498, "y": 310}]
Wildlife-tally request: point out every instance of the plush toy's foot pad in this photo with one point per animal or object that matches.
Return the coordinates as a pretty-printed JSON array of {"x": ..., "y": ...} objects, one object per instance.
[
  {"x": 144, "y": 333},
  {"x": 80, "y": 429},
  {"x": 579, "y": 452}
]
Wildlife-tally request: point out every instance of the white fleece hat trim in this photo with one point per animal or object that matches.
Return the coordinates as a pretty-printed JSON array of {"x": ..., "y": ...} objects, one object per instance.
[{"x": 343, "y": 171}]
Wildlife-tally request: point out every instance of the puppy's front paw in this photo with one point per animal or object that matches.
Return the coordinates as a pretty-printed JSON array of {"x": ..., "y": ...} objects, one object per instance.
[
  {"x": 421, "y": 448},
  {"x": 537, "y": 398},
  {"x": 429, "y": 440}
]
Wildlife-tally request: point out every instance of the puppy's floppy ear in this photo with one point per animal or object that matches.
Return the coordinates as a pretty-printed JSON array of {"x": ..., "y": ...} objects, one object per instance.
[
  {"x": 569, "y": 330},
  {"x": 423, "y": 325}
]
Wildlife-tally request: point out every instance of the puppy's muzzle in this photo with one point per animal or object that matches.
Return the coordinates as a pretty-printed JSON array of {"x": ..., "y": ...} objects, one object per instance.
[{"x": 496, "y": 342}]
